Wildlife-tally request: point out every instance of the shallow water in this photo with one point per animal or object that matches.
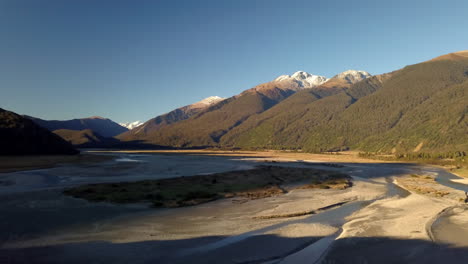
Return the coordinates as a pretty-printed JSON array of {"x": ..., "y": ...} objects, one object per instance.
[
  {"x": 125, "y": 167},
  {"x": 445, "y": 178}
]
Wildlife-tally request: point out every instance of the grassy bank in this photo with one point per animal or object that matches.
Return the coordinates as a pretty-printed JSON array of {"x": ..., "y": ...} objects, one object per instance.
[
  {"x": 263, "y": 181},
  {"x": 460, "y": 171}
]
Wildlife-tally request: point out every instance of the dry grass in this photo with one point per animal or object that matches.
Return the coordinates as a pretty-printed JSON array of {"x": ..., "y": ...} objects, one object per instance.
[
  {"x": 460, "y": 171},
  {"x": 421, "y": 184}
]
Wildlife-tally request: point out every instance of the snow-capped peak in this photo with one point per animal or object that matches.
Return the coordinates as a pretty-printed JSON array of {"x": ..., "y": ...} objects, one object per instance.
[
  {"x": 303, "y": 79},
  {"x": 301, "y": 75},
  {"x": 353, "y": 76},
  {"x": 211, "y": 100},
  {"x": 131, "y": 125}
]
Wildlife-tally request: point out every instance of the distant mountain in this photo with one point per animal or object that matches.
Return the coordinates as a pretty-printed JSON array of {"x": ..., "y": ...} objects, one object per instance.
[
  {"x": 131, "y": 125},
  {"x": 21, "y": 136},
  {"x": 86, "y": 138},
  {"x": 421, "y": 108},
  {"x": 285, "y": 85},
  {"x": 208, "y": 127},
  {"x": 352, "y": 76},
  {"x": 209, "y": 101},
  {"x": 174, "y": 116},
  {"x": 299, "y": 80},
  {"x": 346, "y": 79},
  {"x": 100, "y": 125}
]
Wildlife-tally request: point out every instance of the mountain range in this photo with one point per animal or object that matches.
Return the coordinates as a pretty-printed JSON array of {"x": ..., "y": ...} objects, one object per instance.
[
  {"x": 172, "y": 117},
  {"x": 99, "y": 132},
  {"x": 85, "y": 138},
  {"x": 103, "y": 126},
  {"x": 210, "y": 126},
  {"x": 420, "y": 108}
]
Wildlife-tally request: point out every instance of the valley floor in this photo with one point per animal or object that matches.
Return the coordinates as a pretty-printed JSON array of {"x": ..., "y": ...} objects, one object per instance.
[{"x": 394, "y": 213}]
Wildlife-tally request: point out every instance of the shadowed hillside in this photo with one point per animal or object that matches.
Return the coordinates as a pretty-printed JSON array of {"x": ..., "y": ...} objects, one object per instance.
[
  {"x": 86, "y": 138},
  {"x": 21, "y": 136},
  {"x": 100, "y": 125}
]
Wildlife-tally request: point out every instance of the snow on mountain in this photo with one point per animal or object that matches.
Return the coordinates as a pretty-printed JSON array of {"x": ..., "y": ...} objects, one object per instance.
[
  {"x": 131, "y": 125},
  {"x": 352, "y": 76},
  {"x": 303, "y": 79},
  {"x": 176, "y": 115},
  {"x": 206, "y": 102}
]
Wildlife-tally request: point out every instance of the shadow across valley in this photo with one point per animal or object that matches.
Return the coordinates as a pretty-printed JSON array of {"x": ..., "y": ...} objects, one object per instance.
[
  {"x": 250, "y": 250},
  {"x": 391, "y": 250},
  {"x": 255, "y": 249}
]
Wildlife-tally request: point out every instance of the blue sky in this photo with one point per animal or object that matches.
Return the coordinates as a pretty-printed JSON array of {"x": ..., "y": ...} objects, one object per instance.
[{"x": 133, "y": 60}]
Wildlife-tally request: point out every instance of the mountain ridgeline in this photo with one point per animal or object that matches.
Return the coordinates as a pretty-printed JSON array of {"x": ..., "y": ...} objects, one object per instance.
[
  {"x": 86, "y": 138},
  {"x": 103, "y": 126},
  {"x": 91, "y": 132},
  {"x": 420, "y": 108},
  {"x": 210, "y": 126},
  {"x": 174, "y": 116}
]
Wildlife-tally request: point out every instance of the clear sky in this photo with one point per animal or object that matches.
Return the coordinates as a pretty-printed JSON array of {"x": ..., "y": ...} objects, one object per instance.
[{"x": 133, "y": 60}]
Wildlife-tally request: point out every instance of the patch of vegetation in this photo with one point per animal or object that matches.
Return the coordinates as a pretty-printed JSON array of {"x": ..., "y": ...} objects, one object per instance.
[
  {"x": 333, "y": 181},
  {"x": 461, "y": 171},
  {"x": 264, "y": 181},
  {"x": 422, "y": 184},
  {"x": 422, "y": 177}
]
